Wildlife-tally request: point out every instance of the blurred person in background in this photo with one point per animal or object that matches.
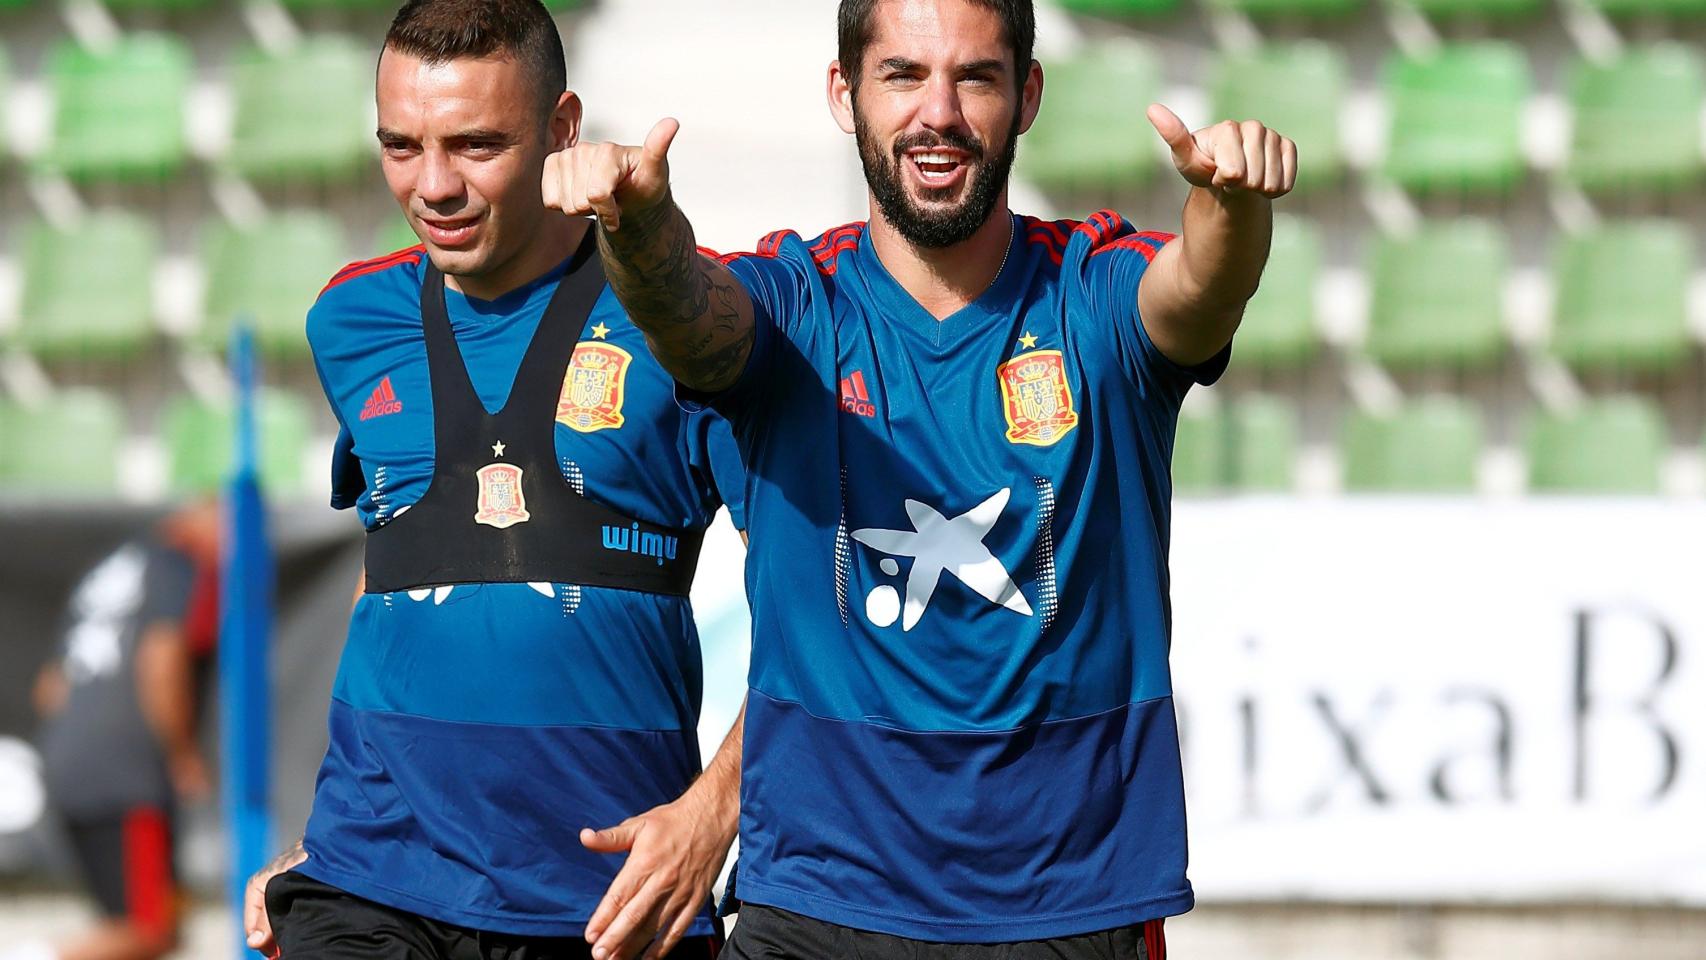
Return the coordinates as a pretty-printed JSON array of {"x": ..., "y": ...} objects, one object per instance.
[
  {"x": 120, "y": 704},
  {"x": 976, "y": 408},
  {"x": 522, "y": 661}
]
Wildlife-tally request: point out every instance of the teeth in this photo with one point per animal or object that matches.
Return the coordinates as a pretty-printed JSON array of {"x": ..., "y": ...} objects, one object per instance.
[{"x": 933, "y": 158}]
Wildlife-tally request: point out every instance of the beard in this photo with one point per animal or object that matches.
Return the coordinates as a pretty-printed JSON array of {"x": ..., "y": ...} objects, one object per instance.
[{"x": 935, "y": 227}]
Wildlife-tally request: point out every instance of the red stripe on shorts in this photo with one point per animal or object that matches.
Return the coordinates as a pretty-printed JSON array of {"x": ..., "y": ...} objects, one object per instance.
[{"x": 148, "y": 890}]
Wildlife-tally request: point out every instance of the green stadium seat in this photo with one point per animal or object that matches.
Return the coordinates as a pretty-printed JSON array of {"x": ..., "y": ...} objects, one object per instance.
[
  {"x": 1650, "y": 8},
  {"x": 1622, "y": 299},
  {"x": 1200, "y": 453},
  {"x": 1278, "y": 330},
  {"x": 1429, "y": 446},
  {"x": 200, "y": 439},
  {"x": 1296, "y": 89},
  {"x": 1288, "y": 8},
  {"x": 119, "y": 114},
  {"x": 1264, "y": 444},
  {"x": 1616, "y": 445},
  {"x": 68, "y": 446},
  {"x": 166, "y": 5},
  {"x": 304, "y": 114},
  {"x": 1119, "y": 8},
  {"x": 1637, "y": 120},
  {"x": 88, "y": 291},
  {"x": 1091, "y": 132},
  {"x": 270, "y": 273},
  {"x": 1479, "y": 9},
  {"x": 1439, "y": 296},
  {"x": 1457, "y": 117}
]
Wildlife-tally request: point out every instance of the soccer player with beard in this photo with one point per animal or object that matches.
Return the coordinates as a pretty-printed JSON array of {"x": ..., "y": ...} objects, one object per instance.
[{"x": 957, "y": 423}]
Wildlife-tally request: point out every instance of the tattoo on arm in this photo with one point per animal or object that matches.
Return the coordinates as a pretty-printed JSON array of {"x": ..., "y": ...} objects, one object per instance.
[{"x": 696, "y": 316}]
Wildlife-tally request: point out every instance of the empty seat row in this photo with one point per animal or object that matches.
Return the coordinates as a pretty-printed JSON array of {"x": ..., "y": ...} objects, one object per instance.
[
  {"x": 119, "y": 114},
  {"x": 88, "y": 291},
  {"x": 1455, "y": 116},
  {"x": 1431, "y": 445},
  {"x": 71, "y": 443},
  {"x": 169, "y": 5},
  {"x": 1438, "y": 297},
  {"x": 1338, "y": 8}
]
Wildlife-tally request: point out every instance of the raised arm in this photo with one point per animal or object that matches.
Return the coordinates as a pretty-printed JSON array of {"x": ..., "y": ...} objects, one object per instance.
[
  {"x": 1192, "y": 296},
  {"x": 696, "y": 316}
]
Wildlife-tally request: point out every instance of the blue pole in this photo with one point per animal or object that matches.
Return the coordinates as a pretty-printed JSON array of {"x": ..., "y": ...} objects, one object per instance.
[{"x": 245, "y": 627}]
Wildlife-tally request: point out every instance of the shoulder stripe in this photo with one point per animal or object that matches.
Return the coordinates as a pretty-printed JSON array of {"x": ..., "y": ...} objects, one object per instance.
[
  {"x": 411, "y": 256},
  {"x": 834, "y": 243},
  {"x": 1147, "y": 244},
  {"x": 393, "y": 255}
]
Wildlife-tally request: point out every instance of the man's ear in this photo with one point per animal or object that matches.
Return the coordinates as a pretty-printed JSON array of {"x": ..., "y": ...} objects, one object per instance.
[
  {"x": 565, "y": 125},
  {"x": 840, "y": 94},
  {"x": 1031, "y": 96}
]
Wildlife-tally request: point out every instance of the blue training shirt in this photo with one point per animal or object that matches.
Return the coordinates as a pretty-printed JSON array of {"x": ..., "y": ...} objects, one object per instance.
[
  {"x": 960, "y": 725},
  {"x": 475, "y": 729}
]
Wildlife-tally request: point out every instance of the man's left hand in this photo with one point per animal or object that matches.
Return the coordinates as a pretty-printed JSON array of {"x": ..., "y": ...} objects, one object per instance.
[
  {"x": 1229, "y": 156},
  {"x": 674, "y": 854}
]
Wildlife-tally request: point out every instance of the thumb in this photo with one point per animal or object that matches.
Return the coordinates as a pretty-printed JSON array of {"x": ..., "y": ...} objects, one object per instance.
[
  {"x": 1174, "y": 132},
  {"x": 658, "y": 141},
  {"x": 611, "y": 839}
]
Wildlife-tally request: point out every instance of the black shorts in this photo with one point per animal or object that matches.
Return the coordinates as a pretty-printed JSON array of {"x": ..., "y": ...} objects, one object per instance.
[
  {"x": 314, "y": 921},
  {"x": 126, "y": 860},
  {"x": 767, "y": 933}
]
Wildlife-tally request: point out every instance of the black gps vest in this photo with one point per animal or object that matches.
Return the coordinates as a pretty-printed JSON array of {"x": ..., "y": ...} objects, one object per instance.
[{"x": 498, "y": 509}]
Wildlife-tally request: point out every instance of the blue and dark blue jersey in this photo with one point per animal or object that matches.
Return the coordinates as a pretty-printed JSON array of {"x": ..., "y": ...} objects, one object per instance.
[
  {"x": 477, "y": 727},
  {"x": 960, "y": 725}
]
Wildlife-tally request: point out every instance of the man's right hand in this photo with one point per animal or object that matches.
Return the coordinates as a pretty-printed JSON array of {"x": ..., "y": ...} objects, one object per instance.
[
  {"x": 257, "y": 926},
  {"x": 607, "y": 180}
]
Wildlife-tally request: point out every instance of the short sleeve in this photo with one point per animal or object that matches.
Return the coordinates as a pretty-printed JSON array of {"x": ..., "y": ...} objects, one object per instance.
[
  {"x": 168, "y": 583},
  {"x": 716, "y": 458},
  {"x": 777, "y": 278},
  {"x": 1114, "y": 262},
  {"x": 348, "y": 482}
]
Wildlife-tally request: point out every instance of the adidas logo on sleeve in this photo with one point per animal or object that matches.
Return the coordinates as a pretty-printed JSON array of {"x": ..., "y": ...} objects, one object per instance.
[{"x": 382, "y": 402}]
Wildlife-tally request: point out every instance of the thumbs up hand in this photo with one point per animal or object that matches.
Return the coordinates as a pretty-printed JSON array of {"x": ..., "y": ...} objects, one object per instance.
[
  {"x": 1229, "y": 156},
  {"x": 608, "y": 179}
]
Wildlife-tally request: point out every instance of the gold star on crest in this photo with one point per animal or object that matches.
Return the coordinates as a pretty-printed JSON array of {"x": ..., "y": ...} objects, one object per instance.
[
  {"x": 1028, "y": 341},
  {"x": 498, "y": 449},
  {"x": 601, "y": 331}
]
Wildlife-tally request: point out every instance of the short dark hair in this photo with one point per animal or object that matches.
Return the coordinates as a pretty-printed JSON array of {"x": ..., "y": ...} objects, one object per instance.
[
  {"x": 439, "y": 31},
  {"x": 855, "y": 23}
]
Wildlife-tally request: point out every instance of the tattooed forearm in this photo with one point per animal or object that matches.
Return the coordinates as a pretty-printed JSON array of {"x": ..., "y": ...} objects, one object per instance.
[{"x": 695, "y": 314}]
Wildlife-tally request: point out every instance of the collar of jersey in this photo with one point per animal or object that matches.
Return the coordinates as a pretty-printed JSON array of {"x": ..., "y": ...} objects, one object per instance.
[
  {"x": 990, "y": 310},
  {"x": 464, "y": 307}
]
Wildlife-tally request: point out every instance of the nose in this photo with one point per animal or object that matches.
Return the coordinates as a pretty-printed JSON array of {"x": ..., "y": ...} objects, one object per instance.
[
  {"x": 940, "y": 110},
  {"x": 439, "y": 182}
]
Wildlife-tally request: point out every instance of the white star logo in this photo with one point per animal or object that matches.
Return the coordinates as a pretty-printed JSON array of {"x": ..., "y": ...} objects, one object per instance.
[
  {"x": 498, "y": 449},
  {"x": 938, "y": 544}
]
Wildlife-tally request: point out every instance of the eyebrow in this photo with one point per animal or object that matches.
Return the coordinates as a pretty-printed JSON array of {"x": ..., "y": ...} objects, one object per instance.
[
  {"x": 990, "y": 65},
  {"x": 481, "y": 134}
]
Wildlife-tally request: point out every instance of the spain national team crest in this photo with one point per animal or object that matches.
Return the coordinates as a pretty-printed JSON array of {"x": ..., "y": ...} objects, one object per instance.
[
  {"x": 594, "y": 388},
  {"x": 1037, "y": 398},
  {"x": 501, "y": 501}
]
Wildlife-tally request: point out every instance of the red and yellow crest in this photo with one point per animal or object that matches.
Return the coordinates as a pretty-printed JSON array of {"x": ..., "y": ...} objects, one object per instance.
[
  {"x": 594, "y": 388},
  {"x": 1036, "y": 398},
  {"x": 501, "y": 501}
]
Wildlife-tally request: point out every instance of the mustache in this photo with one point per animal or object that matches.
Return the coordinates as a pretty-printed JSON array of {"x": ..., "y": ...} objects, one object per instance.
[{"x": 929, "y": 138}]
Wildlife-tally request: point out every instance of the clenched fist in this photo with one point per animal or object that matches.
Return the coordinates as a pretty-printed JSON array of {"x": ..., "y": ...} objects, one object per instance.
[
  {"x": 1229, "y": 155},
  {"x": 606, "y": 179}
]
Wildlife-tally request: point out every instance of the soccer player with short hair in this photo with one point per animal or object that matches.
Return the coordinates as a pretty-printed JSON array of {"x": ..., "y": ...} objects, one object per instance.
[
  {"x": 957, "y": 424},
  {"x": 522, "y": 661}
]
